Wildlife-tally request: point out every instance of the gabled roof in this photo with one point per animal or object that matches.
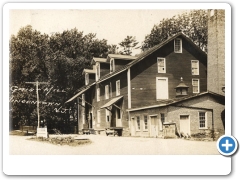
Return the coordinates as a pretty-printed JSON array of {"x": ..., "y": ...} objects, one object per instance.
[
  {"x": 147, "y": 53},
  {"x": 143, "y": 55},
  {"x": 101, "y": 60},
  {"x": 89, "y": 71},
  {"x": 120, "y": 56},
  {"x": 177, "y": 100}
]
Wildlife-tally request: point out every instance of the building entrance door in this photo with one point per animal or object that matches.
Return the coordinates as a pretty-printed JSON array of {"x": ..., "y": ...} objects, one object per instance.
[
  {"x": 185, "y": 124},
  {"x": 153, "y": 126}
]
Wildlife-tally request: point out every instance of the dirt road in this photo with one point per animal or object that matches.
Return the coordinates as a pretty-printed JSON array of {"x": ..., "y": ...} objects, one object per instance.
[{"x": 108, "y": 145}]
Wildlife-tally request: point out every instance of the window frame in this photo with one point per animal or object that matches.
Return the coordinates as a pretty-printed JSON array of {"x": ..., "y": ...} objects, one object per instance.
[
  {"x": 205, "y": 121},
  {"x": 197, "y": 67},
  {"x": 98, "y": 94},
  {"x": 194, "y": 86},
  {"x": 144, "y": 123},
  {"x": 107, "y": 91},
  {"x": 118, "y": 89},
  {"x": 164, "y": 60},
  {"x": 180, "y": 51}
]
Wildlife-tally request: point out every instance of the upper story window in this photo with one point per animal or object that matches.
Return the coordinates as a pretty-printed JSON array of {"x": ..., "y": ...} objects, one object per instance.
[
  {"x": 195, "y": 67},
  {"x": 202, "y": 120},
  {"x": 195, "y": 84},
  {"x": 178, "y": 45},
  {"x": 98, "y": 94},
  {"x": 161, "y": 65},
  {"x": 97, "y": 71},
  {"x": 106, "y": 92},
  {"x": 86, "y": 78},
  {"x": 118, "y": 88},
  {"x": 112, "y": 65}
]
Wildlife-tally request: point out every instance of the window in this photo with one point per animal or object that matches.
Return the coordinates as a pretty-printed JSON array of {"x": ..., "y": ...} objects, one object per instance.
[
  {"x": 138, "y": 123},
  {"x": 202, "y": 120},
  {"x": 86, "y": 78},
  {"x": 195, "y": 84},
  {"x": 98, "y": 116},
  {"x": 178, "y": 45},
  {"x": 195, "y": 67},
  {"x": 98, "y": 94},
  {"x": 161, "y": 65},
  {"x": 107, "y": 115},
  {"x": 112, "y": 65},
  {"x": 118, "y": 88},
  {"x": 106, "y": 92},
  {"x": 145, "y": 120},
  {"x": 83, "y": 100},
  {"x": 98, "y": 71}
]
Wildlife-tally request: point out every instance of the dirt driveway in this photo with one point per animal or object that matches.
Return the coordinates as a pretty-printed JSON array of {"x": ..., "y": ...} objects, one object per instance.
[{"x": 104, "y": 145}]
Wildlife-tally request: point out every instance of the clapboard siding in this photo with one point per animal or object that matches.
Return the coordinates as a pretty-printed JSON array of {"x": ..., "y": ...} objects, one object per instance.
[
  {"x": 123, "y": 92},
  {"x": 144, "y": 73}
]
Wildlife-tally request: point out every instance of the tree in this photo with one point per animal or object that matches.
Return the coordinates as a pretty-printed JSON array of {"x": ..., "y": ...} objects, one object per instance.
[
  {"x": 193, "y": 24},
  {"x": 58, "y": 60},
  {"x": 128, "y": 44}
]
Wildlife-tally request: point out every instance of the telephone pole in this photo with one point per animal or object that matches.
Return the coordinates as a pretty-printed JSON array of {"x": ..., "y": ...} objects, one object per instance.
[{"x": 37, "y": 83}]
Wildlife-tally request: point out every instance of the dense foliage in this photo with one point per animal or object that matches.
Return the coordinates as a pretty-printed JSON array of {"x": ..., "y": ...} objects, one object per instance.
[
  {"x": 58, "y": 60},
  {"x": 193, "y": 24}
]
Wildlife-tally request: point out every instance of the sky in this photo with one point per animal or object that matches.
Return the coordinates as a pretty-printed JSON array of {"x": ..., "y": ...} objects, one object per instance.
[{"x": 112, "y": 25}]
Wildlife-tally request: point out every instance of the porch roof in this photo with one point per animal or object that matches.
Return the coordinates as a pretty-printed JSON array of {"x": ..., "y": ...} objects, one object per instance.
[{"x": 111, "y": 102}]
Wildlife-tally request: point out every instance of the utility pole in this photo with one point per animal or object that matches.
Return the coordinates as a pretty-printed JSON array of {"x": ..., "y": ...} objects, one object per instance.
[{"x": 37, "y": 83}]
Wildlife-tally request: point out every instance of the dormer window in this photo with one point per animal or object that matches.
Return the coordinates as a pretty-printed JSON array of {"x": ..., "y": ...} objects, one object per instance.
[
  {"x": 86, "y": 78},
  {"x": 178, "y": 45},
  {"x": 112, "y": 65},
  {"x": 97, "y": 71}
]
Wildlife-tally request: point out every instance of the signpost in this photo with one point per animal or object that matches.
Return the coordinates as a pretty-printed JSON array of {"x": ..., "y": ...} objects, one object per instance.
[{"x": 37, "y": 83}]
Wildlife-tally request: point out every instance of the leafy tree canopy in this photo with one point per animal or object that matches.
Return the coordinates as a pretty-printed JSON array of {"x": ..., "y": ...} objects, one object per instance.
[
  {"x": 193, "y": 24},
  {"x": 128, "y": 44}
]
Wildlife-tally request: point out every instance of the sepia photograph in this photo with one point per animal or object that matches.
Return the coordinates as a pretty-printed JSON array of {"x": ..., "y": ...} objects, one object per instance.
[{"x": 116, "y": 81}]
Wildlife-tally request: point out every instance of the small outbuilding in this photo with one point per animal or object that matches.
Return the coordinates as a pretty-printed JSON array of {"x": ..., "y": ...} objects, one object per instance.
[{"x": 182, "y": 116}]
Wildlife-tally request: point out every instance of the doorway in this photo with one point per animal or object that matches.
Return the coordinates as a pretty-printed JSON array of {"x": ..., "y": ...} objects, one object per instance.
[
  {"x": 153, "y": 126},
  {"x": 185, "y": 124}
]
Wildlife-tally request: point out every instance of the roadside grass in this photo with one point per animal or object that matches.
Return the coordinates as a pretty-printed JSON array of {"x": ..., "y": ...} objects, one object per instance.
[{"x": 61, "y": 141}]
